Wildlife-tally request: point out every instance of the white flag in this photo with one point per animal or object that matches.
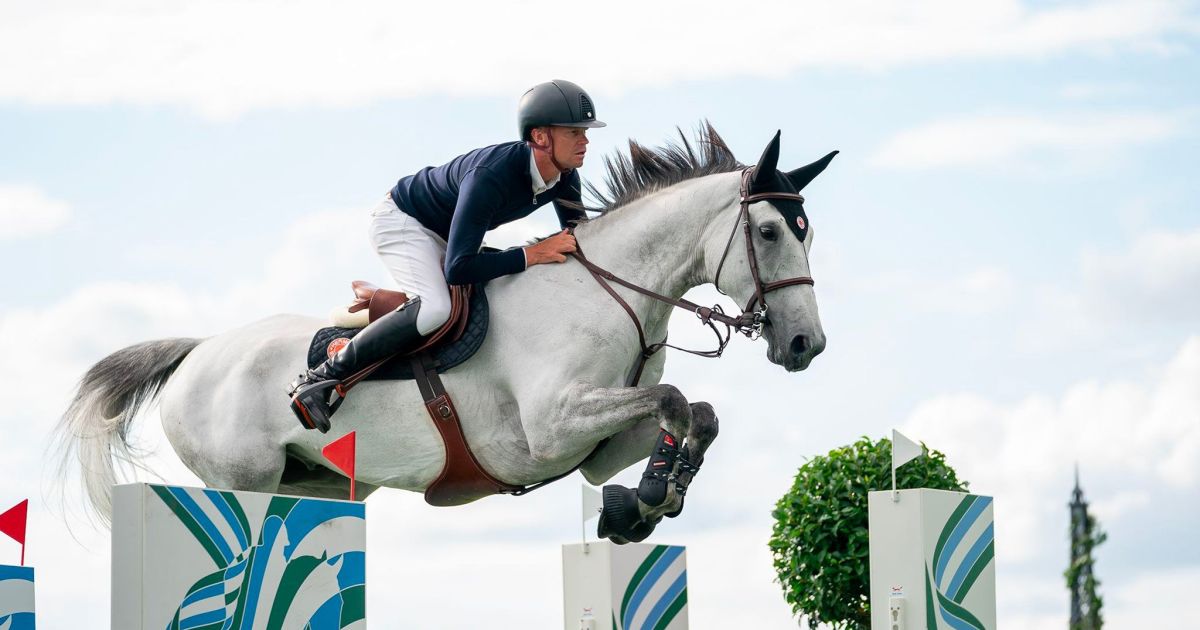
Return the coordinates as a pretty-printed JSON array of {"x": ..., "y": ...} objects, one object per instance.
[
  {"x": 592, "y": 503},
  {"x": 903, "y": 449}
]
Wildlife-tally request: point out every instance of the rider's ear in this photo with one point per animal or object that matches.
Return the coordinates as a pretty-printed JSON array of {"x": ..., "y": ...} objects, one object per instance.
[
  {"x": 805, "y": 174},
  {"x": 764, "y": 172}
]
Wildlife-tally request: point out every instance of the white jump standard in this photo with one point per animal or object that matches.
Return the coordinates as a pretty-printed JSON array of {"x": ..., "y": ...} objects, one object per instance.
[
  {"x": 17, "y": 611},
  {"x": 624, "y": 587},
  {"x": 201, "y": 559},
  {"x": 932, "y": 560}
]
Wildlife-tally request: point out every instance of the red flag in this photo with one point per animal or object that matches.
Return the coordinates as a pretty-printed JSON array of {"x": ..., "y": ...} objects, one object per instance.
[
  {"x": 340, "y": 453},
  {"x": 12, "y": 523}
]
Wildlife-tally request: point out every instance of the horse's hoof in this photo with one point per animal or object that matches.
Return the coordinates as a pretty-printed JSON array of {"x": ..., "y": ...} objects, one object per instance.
[
  {"x": 641, "y": 531},
  {"x": 620, "y": 521}
]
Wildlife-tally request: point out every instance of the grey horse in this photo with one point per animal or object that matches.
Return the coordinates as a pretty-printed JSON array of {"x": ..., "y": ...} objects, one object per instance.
[{"x": 547, "y": 386}]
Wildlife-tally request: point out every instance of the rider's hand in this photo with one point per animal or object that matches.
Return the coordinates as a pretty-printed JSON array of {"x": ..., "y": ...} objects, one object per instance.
[{"x": 550, "y": 250}]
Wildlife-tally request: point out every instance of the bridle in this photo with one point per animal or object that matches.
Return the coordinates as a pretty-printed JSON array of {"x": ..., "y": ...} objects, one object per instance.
[{"x": 749, "y": 322}]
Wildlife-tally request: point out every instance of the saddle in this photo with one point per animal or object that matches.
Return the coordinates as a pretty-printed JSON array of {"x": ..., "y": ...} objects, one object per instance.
[
  {"x": 455, "y": 342},
  {"x": 462, "y": 479}
]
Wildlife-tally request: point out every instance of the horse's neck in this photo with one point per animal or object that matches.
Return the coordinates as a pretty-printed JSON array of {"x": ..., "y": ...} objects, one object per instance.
[{"x": 657, "y": 242}]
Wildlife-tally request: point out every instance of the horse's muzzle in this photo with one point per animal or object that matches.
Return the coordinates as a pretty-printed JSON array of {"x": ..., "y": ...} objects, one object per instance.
[{"x": 801, "y": 352}]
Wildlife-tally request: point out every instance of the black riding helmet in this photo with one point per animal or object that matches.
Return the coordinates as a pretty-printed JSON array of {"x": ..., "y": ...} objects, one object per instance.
[{"x": 557, "y": 102}]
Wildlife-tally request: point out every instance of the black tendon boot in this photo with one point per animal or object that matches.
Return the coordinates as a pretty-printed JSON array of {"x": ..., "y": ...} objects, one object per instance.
[
  {"x": 683, "y": 478},
  {"x": 392, "y": 334},
  {"x": 653, "y": 488},
  {"x": 621, "y": 519}
]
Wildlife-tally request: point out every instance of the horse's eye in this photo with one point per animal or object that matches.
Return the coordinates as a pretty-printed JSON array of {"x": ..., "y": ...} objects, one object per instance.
[{"x": 768, "y": 232}]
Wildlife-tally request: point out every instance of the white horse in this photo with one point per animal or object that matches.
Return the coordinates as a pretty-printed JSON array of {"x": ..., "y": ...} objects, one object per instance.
[{"x": 546, "y": 387}]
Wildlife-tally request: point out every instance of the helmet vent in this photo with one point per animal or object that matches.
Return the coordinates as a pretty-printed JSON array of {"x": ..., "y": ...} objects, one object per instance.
[{"x": 586, "y": 108}]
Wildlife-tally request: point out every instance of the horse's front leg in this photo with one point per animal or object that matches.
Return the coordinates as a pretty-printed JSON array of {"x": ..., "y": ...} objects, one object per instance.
[
  {"x": 588, "y": 414},
  {"x": 700, "y": 436},
  {"x": 653, "y": 421},
  {"x": 638, "y": 442}
]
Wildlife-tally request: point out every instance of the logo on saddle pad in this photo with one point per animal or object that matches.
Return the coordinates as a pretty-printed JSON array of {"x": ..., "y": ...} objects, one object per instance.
[{"x": 336, "y": 345}]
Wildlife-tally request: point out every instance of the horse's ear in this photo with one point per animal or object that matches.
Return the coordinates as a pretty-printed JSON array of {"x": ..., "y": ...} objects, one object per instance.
[
  {"x": 764, "y": 171},
  {"x": 805, "y": 174}
]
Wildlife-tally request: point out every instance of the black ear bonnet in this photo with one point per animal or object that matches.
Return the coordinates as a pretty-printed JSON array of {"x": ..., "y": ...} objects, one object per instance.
[
  {"x": 767, "y": 178},
  {"x": 792, "y": 211}
]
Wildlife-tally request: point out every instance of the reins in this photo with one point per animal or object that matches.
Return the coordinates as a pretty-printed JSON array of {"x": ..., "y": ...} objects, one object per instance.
[{"x": 749, "y": 322}]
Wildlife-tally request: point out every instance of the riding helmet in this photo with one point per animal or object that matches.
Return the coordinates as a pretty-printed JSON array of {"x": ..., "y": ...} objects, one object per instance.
[{"x": 557, "y": 102}]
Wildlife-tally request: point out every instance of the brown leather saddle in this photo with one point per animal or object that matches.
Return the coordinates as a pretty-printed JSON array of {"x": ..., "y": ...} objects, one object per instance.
[
  {"x": 462, "y": 479},
  {"x": 378, "y": 302}
]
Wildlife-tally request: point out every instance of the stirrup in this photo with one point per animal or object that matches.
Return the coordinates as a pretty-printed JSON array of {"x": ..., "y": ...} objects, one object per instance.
[{"x": 311, "y": 401}]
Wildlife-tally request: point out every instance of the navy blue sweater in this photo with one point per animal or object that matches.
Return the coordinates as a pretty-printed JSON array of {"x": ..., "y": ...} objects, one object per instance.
[{"x": 474, "y": 193}]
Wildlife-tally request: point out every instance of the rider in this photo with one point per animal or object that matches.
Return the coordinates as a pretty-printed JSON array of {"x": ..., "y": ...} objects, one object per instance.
[{"x": 429, "y": 229}]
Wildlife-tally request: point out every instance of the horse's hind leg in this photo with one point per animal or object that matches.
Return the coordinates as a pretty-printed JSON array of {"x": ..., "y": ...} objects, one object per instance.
[
  {"x": 302, "y": 479},
  {"x": 226, "y": 457}
]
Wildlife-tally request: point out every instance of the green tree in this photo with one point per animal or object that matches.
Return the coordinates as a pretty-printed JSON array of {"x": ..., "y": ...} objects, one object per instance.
[{"x": 819, "y": 541}]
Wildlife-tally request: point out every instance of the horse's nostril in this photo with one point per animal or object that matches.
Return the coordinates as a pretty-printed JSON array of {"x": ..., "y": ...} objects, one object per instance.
[{"x": 799, "y": 345}]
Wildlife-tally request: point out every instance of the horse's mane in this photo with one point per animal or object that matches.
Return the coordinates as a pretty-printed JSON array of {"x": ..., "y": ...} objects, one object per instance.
[{"x": 645, "y": 170}]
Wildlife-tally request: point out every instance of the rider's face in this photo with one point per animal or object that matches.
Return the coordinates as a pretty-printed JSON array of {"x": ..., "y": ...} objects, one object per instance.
[{"x": 570, "y": 145}]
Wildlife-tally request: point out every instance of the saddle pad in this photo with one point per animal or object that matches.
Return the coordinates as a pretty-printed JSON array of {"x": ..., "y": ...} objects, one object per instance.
[{"x": 399, "y": 368}]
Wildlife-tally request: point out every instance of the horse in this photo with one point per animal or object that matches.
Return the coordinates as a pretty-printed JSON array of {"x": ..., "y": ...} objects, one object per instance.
[{"x": 548, "y": 391}]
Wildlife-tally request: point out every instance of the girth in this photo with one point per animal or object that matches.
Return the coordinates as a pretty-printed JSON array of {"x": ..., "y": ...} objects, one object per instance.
[{"x": 462, "y": 479}]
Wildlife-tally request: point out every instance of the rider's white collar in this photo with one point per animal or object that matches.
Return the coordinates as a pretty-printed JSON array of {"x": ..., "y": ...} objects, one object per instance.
[{"x": 540, "y": 185}]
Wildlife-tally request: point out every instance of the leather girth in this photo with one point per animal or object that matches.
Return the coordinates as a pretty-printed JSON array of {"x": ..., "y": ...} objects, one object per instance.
[{"x": 462, "y": 479}]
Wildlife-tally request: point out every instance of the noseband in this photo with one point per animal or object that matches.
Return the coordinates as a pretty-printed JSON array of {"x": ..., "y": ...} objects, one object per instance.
[{"x": 749, "y": 323}]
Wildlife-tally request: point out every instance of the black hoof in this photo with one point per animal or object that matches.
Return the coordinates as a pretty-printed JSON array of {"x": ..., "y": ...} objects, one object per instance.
[{"x": 621, "y": 522}]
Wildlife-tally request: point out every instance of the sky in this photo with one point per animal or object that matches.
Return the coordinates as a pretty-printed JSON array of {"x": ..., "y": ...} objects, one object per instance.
[{"x": 1007, "y": 252}]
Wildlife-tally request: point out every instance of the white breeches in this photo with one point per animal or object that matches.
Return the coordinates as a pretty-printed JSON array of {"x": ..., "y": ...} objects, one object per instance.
[{"x": 414, "y": 255}]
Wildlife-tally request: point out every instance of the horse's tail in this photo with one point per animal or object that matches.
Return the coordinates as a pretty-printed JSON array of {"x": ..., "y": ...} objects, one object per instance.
[{"x": 94, "y": 430}]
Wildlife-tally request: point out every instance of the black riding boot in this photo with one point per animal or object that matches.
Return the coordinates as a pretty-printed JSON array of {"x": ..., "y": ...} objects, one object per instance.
[{"x": 392, "y": 334}]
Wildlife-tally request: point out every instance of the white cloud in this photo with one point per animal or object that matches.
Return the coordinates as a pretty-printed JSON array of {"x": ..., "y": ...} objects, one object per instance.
[
  {"x": 94, "y": 320},
  {"x": 27, "y": 211},
  {"x": 226, "y": 58},
  {"x": 1156, "y": 278},
  {"x": 1152, "y": 600},
  {"x": 993, "y": 139},
  {"x": 1096, "y": 91},
  {"x": 1146, "y": 435}
]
